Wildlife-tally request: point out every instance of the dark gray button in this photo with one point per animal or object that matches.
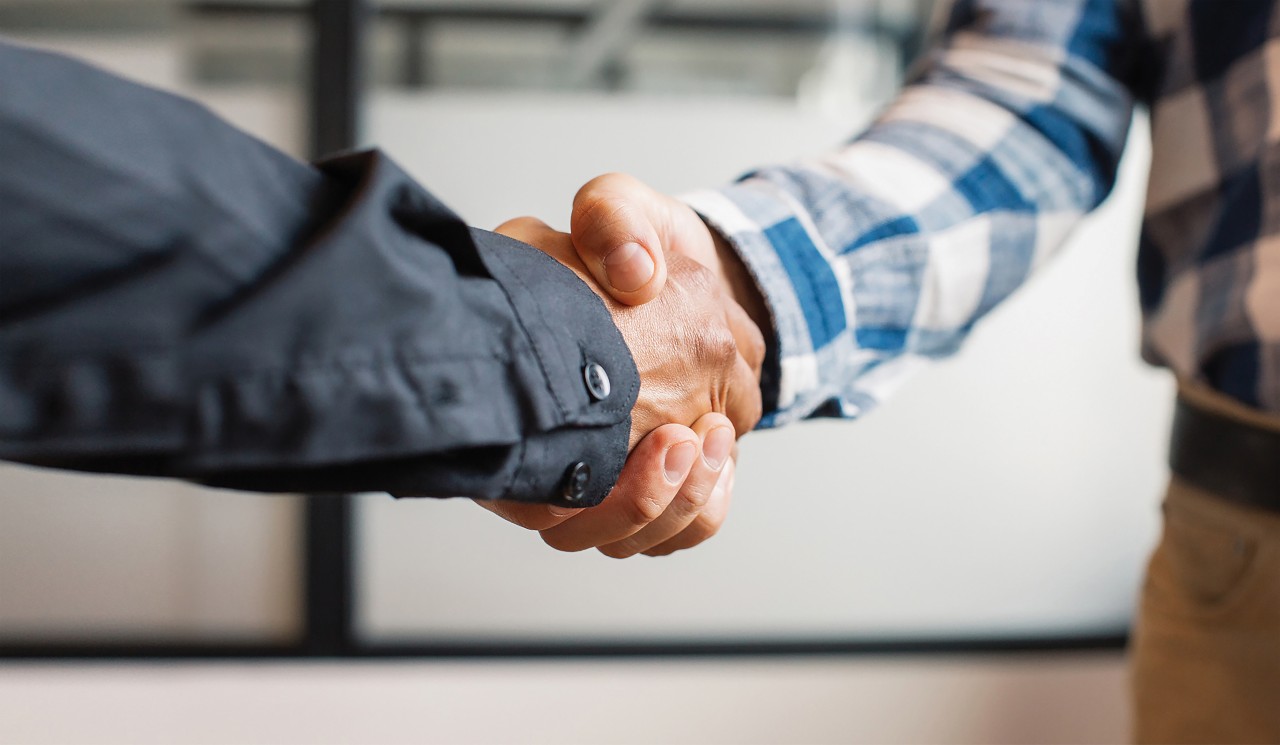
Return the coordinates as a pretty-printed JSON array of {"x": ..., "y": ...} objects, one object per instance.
[
  {"x": 597, "y": 381},
  {"x": 576, "y": 481}
]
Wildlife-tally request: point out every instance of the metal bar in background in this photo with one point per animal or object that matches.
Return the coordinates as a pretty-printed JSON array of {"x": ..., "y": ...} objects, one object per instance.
[
  {"x": 414, "y": 72},
  {"x": 748, "y": 647},
  {"x": 336, "y": 97},
  {"x": 660, "y": 18},
  {"x": 329, "y": 582},
  {"x": 337, "y": 74},
  {"x": 742, "y": 648},
  {"x": 604, "y": 40},
  {"x": 92, "y": 18},
  {"x": 594, "y": 61}
]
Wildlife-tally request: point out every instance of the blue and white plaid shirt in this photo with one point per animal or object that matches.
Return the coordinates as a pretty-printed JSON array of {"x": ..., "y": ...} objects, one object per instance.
[{"x": 889, "y": 250}]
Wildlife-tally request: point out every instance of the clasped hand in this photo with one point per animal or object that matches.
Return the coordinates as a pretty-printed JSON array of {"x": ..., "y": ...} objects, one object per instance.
[{"x": 656, "y": 267}]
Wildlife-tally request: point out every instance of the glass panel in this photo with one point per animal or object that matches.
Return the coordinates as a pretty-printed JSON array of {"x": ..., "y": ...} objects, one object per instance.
[
  {"x": 761, "y": 47},
  {"x": 1007, "y": 492},
  {"x": 90, "y": 558}
]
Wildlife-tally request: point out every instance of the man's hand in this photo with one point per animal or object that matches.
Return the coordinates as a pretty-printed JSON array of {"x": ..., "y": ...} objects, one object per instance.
[
  {"x": 673, "y": 493},
  {"x": 675, "y": 488},
  {"x": 685, "y": 341},
  {"x": 627, "y": 235},
  {"x": 625, "y": 232}
]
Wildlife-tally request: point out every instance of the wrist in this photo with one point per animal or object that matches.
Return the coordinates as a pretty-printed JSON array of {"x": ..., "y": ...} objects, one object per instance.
[{"x": 736, "y": 279}]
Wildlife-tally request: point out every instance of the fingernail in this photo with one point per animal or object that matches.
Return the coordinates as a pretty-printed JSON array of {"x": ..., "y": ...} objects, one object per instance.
[
  {"x": 678, "y": 462},
  {"x": 715, "y": 449},
  {"x": 628, "y": 267},
  {"x": 723, "y": 481},
  {"x": 561, "y": 511}
]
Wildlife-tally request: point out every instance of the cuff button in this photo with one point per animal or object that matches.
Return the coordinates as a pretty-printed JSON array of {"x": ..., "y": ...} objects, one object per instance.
[
  {"x": 576, "y": 480},
  {"x": 597, "y": 381}
]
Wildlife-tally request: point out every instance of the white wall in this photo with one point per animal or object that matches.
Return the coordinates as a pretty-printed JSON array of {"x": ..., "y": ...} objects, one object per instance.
[
  {"x": 1011, "y": 490},
  {"x": 958, "y": 509},
  {"x": 93, "y": 558}
]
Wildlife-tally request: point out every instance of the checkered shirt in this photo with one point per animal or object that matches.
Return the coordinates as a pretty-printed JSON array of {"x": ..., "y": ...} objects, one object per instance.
[{"x": 886, "y": 252}]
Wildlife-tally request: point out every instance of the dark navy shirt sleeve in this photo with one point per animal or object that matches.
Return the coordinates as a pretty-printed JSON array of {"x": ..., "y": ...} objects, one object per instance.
[{"x": 179, "y": 299}]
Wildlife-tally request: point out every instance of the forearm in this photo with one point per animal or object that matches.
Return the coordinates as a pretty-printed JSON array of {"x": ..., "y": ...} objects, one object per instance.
[
  {"x": 891, "y": 248},
  {"x": 179, "y": 299}
]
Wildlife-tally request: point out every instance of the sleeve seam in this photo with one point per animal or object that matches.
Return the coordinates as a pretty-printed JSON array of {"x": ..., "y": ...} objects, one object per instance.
[{"x": 524, "y": 328}]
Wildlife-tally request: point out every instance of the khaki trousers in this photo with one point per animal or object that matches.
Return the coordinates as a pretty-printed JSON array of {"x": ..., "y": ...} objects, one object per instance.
[{"x": 1206, "y": 646}]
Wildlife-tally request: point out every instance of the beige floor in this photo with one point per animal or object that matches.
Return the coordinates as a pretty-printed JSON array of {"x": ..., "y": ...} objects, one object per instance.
[{"x": 1024, "y": 699}]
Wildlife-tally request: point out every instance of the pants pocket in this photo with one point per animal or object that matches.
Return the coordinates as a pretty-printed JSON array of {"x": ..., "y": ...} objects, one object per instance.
[{"x": 1203, "y": 560}]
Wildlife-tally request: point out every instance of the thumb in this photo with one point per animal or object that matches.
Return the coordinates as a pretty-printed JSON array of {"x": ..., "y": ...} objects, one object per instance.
[{"x": 615, "y": 231}]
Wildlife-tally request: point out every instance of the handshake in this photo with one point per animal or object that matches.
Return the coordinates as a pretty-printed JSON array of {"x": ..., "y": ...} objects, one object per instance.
[{"x": 692, "y": 318}]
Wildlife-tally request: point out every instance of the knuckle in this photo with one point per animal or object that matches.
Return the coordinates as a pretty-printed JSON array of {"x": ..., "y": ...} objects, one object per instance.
[
  {"x": 695, "y": 277},
  {"x": 703, "y": 528},
  {"x": 756, "y": 350},
  {"x": 518, "y": 515},
  {"x": 526, "y": 522},
  {"x": 622, "y": 550},
  {"x": 533, "y": 517},
  {"x": 616, "y": 181},
  {"x": 594, "y": 209},
  {"x": 717, "y": 346},
  {"x": 536, "y": 524},
  {"x": 643, "y": 510},
  {"x": 601, "y": 216},
  {"x": 744, "y": 410},
  {"x": 693, "y": 497},
  {"x": 660, "y": 550},
  {"x": 748, "y": 419},
  {"x": 561, "y": 542},
  {"x": 726, "y": 348},
  {"x": 607, "y": 189},
  {"x": 522, "y": 224},
  {"x": 605, "y": 182},
  {"x": 529, "y": 222}
]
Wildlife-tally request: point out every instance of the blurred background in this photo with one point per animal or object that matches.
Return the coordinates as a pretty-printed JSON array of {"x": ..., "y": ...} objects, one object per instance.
[{"x": 960, "y": 566}]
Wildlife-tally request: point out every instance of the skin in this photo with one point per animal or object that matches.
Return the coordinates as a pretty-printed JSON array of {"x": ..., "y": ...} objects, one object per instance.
[
  {"x": 675, "y": 488},
  {"x": 684, "y": 340},
  {"x": 616, "y": 210},
  {"x": 650, "y": 511},
  {"x": 627, "y": 234}
]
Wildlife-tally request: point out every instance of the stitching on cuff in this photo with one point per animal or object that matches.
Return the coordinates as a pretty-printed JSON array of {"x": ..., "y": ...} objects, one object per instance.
[
  {"x": 537, "y": 352},
  {"x": 522, "y": 453}
]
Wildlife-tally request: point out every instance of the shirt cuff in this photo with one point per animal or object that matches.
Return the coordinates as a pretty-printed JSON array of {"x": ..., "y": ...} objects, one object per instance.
[
  {"x": 580, "y": 413},
  {"x": 810, "y": 351},
  {"x": 588, "y": 370}
]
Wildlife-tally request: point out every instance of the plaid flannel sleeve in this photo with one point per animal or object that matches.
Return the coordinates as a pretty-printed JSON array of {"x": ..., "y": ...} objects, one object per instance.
[{"x": 886, "y": 252}]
